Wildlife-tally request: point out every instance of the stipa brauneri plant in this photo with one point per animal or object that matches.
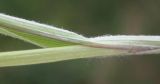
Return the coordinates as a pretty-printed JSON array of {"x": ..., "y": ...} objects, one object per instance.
[{"x": 59, "y": 44}]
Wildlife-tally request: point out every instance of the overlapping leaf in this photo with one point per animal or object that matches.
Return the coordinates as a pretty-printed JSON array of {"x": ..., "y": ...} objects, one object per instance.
[{"x": 66, "y": 44}]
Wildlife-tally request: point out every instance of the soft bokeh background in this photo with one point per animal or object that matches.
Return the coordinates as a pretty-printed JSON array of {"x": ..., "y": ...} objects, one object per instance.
[{"x": 89, "y": 18}]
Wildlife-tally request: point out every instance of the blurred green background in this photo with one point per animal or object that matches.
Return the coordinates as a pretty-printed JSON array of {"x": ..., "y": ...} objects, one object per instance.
[{"x": 89, "y": 18}]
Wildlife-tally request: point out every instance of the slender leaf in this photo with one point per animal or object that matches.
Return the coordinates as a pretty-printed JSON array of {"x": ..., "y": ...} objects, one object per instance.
[
  {"x": 38, "y": 56},
  {"x": 43, "y": 32}
]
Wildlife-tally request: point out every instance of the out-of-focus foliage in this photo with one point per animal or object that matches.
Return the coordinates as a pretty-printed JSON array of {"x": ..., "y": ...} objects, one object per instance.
[{"x": 91, "y": 18}]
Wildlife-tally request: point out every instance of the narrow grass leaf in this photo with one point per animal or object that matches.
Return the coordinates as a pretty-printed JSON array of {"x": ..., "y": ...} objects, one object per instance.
[{"x": 38, "y": 56}]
